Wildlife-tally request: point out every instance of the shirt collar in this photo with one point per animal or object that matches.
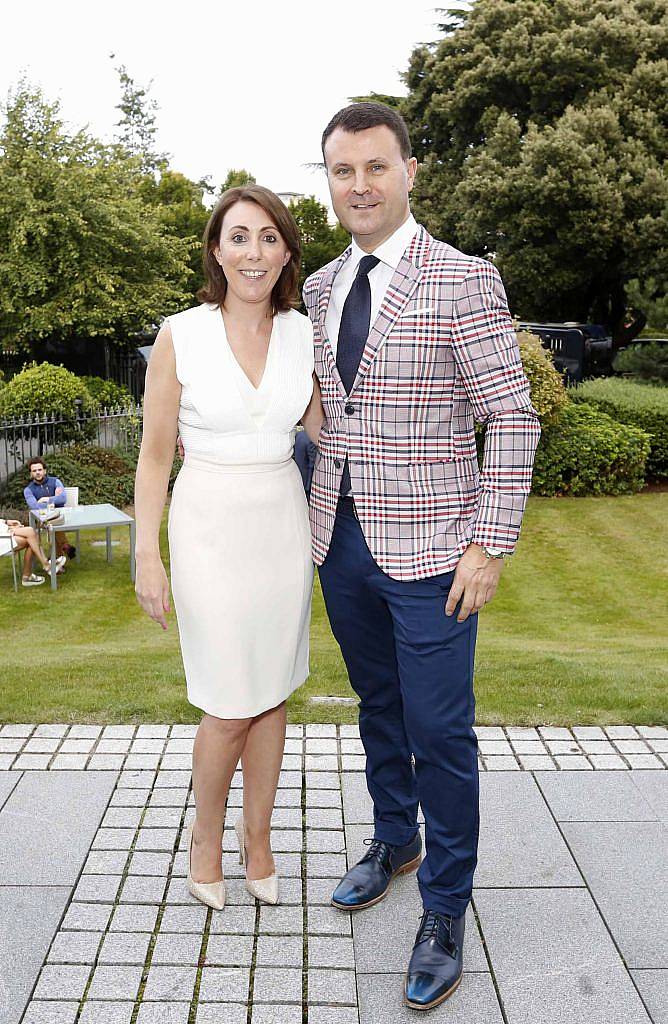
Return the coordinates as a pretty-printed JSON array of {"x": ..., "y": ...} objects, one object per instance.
[{"x": 392, "y": 249}]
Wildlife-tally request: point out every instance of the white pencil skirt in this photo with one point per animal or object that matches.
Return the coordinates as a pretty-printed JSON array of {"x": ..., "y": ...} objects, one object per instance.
[{"x": 242, "y": 577}]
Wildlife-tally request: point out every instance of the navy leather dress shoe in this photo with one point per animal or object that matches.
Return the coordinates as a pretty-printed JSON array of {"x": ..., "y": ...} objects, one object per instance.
[
  {"x": 437, "y": 961},
  {"x": 368, "y": 881}
]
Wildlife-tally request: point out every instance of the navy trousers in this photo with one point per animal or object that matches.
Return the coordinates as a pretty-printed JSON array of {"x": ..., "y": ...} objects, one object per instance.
[{"x": 412, "y": 668}]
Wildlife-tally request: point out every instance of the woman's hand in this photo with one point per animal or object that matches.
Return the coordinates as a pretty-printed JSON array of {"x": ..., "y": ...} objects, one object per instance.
[{"x": 152, "y": 588}]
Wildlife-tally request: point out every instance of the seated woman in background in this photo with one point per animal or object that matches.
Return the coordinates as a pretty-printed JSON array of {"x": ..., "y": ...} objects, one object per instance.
[{"x": 24, "y": 538}]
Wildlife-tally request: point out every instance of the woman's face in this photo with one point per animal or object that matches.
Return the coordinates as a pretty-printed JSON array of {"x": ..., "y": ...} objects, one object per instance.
[{"x": 251, "y": 252}]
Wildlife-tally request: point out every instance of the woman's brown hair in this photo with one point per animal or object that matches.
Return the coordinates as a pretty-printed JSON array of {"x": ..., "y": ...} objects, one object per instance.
[{"x": 284, "y": 295}]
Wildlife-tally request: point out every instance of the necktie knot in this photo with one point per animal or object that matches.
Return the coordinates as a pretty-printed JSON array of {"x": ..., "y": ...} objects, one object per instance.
[{"x": 366, "y": 264}]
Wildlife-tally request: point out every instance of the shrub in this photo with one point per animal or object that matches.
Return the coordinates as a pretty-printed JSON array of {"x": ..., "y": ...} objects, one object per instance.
[
  {"x": 42, "y": 389},
  {"x": 639, "y": 405},
  {"x": 548, "y": 394},
  {"x": 107, "y": 393},
  {"x": 45, "y": 388},
  {"x": 586, "y": 452},
  {"x": 648, "y": 362}
]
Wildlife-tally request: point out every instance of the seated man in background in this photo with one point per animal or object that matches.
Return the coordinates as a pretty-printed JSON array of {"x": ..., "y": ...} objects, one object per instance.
[{"x": 40, "y": 491}]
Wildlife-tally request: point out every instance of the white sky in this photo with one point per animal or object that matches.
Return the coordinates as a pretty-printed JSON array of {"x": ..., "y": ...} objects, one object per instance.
[{"x": 239, "y": 84}]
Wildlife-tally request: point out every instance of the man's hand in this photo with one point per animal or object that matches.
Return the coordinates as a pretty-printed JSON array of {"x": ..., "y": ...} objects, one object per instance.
[
  {"x": 179, "y": 447},
  {"x": 476, "y": 577}
]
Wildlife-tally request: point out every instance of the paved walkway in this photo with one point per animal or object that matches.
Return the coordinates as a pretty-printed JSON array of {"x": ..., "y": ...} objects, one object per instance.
[{"x": 568, "y": 922}]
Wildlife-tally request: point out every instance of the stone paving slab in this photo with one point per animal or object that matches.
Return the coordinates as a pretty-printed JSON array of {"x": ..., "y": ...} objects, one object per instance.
[
  {"x": 654, "y": 789},
  {"x": 625, "y": 865},
  {"x": 653, "y": 987},
  {"x": 520, "y": 843},
  {"x": 48, "y": 824},
  {"x": 29, "y": 918},
  {"x": 125, "y": 941},
  {"x": 598, "y": 796},
  {"x": 554, "y": 960}
]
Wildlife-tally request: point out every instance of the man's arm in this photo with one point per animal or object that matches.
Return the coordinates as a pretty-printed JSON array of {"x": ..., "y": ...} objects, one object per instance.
[
  {"x": 30, "y": 498},
  {"x": 59, "y": 495},
  {"x": 488, "y": 358}
]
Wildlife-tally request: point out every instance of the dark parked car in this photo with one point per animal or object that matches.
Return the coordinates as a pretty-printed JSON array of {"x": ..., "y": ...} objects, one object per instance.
[{"x": 578, "y": 350}]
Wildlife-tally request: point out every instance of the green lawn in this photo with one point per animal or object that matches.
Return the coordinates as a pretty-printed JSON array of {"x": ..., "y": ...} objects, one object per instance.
[{"x": 577, "y": 632}]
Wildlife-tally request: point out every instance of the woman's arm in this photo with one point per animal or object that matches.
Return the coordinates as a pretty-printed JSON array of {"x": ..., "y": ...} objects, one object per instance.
[
  {"x": 314, "y": 417},
  {"x": 161, "y": 408}
]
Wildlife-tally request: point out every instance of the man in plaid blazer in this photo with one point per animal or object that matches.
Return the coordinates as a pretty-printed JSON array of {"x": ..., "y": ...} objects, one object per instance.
[{"x": 413, "y": 343}]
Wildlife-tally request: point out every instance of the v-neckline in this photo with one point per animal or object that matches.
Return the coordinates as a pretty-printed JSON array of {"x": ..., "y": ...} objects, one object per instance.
[{"x": 236, "y": 362}]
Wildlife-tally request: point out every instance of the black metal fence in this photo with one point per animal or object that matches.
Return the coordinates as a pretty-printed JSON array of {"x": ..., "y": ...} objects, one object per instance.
[{"x": 21, "y": 439}]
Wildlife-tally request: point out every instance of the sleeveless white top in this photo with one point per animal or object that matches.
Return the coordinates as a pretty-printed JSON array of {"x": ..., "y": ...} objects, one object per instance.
[{"x": 221, "y": 415}]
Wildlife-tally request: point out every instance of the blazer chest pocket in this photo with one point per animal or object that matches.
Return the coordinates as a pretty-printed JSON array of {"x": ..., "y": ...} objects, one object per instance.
[{"x": 418, "y": 311}]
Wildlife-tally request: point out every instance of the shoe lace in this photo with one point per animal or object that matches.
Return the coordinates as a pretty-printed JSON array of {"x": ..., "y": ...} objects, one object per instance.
[
  {"x": 379, "y": 851},
  {"x": 438, "y": 926}
]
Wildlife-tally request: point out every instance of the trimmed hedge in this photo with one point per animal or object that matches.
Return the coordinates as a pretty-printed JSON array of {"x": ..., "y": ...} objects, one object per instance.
[
  {"x": 649, "y": 362},
  {"x": 586, "y": 452},
  {"x": 639, "y": 405}
]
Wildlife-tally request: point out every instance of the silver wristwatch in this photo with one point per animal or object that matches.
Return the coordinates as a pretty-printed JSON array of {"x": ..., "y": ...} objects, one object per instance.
[{"x": 494, "y": 553}]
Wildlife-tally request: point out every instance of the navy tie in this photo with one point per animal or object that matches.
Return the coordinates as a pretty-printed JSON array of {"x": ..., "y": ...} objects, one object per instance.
[{"x": 353, "y": 335}]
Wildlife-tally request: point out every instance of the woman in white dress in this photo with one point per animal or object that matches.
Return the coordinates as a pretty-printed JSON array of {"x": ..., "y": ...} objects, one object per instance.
[{"x": 233, "y": 377}]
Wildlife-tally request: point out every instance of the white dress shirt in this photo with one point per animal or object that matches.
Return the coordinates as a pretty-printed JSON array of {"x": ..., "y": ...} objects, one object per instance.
[{"x": 389, "y": 253}]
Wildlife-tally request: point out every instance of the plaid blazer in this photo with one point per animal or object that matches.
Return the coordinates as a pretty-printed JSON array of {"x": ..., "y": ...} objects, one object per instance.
[{"x": 441, "y": 353}]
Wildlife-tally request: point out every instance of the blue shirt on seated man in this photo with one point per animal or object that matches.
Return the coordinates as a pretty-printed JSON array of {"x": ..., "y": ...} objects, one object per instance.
[{"x": 40, "y": 491}]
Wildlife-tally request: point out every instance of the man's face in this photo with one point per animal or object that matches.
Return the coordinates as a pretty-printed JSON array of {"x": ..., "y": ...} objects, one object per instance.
[
  {"x": 369, "y": 182},
  {"x": 37, "y": 472}
]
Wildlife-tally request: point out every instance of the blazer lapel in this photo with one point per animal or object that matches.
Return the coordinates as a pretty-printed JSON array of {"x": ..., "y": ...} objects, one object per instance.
[
  {"x": 404, "y": 282},
  {"x": 323, "y": 302}
]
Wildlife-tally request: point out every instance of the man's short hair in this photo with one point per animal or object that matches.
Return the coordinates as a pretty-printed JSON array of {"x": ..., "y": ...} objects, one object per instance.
[
  {"x": 36, "y": 461},
  {"x": 359, "y": 116}
]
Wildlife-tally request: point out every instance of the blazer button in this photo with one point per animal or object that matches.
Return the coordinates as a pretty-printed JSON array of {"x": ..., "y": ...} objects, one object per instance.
[
  {"x": 337, "y": 464},
  {"x": 349, "y": 410}
]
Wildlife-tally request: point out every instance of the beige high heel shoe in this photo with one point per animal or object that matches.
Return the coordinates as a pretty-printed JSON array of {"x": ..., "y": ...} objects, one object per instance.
[
  {"x": 210, "y": 893},
  {"x": 264, "y": 889}
]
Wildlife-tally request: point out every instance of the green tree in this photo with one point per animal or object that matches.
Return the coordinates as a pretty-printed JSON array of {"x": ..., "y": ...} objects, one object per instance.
[
  {"x": 81, "y": 252},
  {"x": 237, "y": 179},
  {"x": 138, "y": 126},
  {"x": 539, "y": 125},
  {"x": 179, "y": 203},
  {"x": 321, "y": 242}
]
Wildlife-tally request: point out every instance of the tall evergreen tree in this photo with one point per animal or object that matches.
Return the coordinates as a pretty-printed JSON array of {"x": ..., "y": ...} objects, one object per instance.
[
  {"x": 321, "y": 241},
  {"x": 137, "y": 127}
]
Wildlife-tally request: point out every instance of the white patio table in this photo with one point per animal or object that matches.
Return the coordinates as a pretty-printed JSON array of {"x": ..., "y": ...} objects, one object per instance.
[{"x": 86, "y": 517}]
